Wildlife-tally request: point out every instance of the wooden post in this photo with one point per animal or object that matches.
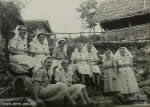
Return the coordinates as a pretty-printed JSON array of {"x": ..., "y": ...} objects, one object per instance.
[
  {"x": 144, "y": 4},
  {"x": 130, "y": 31},
  {"x": 148, "y": 32},
  {"x": 106, "y": 34}
]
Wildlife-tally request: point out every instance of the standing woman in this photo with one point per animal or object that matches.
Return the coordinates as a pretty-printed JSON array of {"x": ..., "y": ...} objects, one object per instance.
[
  {"x": 126, "y": 76},
  {"x": 111, "y": 85},
  {"x": 92, "y": 62},
  {"x": 79, "y": 59}
]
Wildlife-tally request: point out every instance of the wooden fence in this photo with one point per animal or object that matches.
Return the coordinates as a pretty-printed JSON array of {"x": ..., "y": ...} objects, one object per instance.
[{"x": 140, "y": 32}]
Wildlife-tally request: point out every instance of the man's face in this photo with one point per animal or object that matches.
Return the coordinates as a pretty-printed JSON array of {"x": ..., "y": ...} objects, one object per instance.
[
  {"x": 41, "y": 38},
  {"x": 48, "y": 63},
  {"x": 22, "y": 31},
  {"x": 62, "y": 43}
]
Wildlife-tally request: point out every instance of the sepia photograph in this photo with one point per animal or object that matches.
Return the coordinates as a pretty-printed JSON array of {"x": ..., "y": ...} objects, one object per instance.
[{"x": 74, "y": 53}]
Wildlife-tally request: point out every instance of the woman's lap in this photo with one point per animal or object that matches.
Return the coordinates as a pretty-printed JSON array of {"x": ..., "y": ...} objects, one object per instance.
[{"x": 53, "y": 90}]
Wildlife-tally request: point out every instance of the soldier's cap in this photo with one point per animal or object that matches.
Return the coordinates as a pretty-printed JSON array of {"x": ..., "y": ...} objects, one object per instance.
[{"x": 59, "y": 41}]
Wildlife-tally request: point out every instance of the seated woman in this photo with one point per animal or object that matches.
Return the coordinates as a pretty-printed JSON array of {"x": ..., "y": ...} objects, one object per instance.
[
  {"x": 39, "y": 48},
  {"x": 93, "y": 63},
  {"x": 44, "y": 89},
  {"x": 79, "y": 59},
  {"x": 64, "y": 74},
  {"x": 18, "y": 51}
]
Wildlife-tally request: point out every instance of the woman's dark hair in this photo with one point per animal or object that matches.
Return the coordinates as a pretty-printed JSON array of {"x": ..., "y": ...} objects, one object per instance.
[
  {"x": 40, "y": 35},
  {"x": 47, "y": 59},
  {"x": 61, "y": 41},
  {"x": 65, "y": 60}
]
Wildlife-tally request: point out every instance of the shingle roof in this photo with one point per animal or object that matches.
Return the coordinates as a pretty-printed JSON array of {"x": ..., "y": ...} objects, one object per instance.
[
  {"x": 117, "y": 9},
  {"x": 33, "y": 24}
]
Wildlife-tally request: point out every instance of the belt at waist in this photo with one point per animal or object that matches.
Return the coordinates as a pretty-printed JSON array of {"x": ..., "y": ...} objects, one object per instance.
[
  {"x": 44, "y": 83},
  {"x": 126, "y": 65},
  {"x": 108, "y": 67}
]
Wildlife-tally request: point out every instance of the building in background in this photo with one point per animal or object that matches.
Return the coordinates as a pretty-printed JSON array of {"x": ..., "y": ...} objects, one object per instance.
[{"x": 125, "y": 19}]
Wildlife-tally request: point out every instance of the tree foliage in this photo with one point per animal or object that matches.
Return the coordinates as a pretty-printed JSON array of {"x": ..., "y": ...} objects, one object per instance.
[
  {"x": 10, "y": 16},
  {"x": 87, "y": 12}
]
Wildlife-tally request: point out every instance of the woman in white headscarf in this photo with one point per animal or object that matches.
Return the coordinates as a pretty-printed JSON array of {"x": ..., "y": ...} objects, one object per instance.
[
  {"x": 19, "y": 51},
  {"x": 127, "y": 80},
  {"x": 39, "y": 47},
  {"x": 110, "y": 73},
  {"x": 79, "y": 58},
  {"x": 92, "y": 62}
]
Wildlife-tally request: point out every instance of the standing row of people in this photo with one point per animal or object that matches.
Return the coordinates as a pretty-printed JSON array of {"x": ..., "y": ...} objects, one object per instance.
[{"x": 118, "y": 71}]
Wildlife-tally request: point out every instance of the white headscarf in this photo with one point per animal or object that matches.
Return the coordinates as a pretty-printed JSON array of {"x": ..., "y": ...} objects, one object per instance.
[
  {"x": 16, "y": 31},
  {"x": 35, "y": 40},
  {"x": 83, "y": 48},
  {"x": 57, "y": 43},
  {"x": 127, "y": 53}
]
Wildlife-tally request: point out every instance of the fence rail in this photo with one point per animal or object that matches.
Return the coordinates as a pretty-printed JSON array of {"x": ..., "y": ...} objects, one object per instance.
[{"x": 140, "y": 32}]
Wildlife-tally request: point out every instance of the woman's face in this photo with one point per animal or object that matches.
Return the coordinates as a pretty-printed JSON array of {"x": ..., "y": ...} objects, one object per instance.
[
  {"x": 107, "y": 54},
  {"x": 22, "y": 31},
  {"x": 48, "y": 62},
  {"x": 62, "y": 44},
  {"x": 122, "y": 51},
  {"x": 41, "y": 38},
  {"x": 89, "y": 48}
]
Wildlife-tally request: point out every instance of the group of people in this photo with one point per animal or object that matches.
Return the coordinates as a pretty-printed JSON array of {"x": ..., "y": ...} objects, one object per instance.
[
  {"x": 118, "y": 71},
  {"x": 52, "y": 78},
  {"x": 57, "y": 76}
]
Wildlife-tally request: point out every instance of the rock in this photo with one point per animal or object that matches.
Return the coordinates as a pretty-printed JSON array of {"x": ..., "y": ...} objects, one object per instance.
[{"x": 144, "y": 83}]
